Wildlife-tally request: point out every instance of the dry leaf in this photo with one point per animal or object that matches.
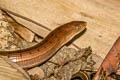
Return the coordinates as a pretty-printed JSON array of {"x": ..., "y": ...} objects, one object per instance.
[
  {"x": 111, "y": 62},
  {"x": 19, "y": 28}
]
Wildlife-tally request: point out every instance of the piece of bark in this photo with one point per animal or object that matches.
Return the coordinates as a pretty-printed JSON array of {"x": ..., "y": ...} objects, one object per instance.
[
  {"x": 19, "y": 28},
  {"x": 11, "y": 71},
  {"x": 111, "y": 62}
]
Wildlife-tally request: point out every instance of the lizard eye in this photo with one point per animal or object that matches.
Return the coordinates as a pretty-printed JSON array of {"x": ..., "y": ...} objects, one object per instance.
[{"x": 77, "y": 27}]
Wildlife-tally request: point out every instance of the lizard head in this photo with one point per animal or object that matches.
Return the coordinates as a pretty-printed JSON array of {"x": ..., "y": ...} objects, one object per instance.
[{"x": 73, "y": 28}]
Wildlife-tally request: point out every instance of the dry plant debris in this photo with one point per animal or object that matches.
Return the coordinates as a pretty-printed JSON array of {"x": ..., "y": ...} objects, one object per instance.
[
  {"x": 65, "y": 63},
  {"x": 19, "y": 28},
  {"x": 6, "y": 37},
  {"x": 10, "y": 37}
]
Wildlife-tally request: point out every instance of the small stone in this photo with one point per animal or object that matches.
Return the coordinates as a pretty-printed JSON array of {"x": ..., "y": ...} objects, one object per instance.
[
  {"x": 36, "y": 71},
  {"x": 38, "y": 39},
  {"x": 13, "y": 47}
]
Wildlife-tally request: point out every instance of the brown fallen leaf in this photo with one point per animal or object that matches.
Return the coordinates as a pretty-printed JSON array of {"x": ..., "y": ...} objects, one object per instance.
[
  {"x": 110, "y": 63},
  {"x": 23, "y": 32}
]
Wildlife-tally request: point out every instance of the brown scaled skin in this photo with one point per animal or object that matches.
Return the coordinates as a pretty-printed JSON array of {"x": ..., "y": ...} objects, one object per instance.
[{"x": 38, "y": 54}]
